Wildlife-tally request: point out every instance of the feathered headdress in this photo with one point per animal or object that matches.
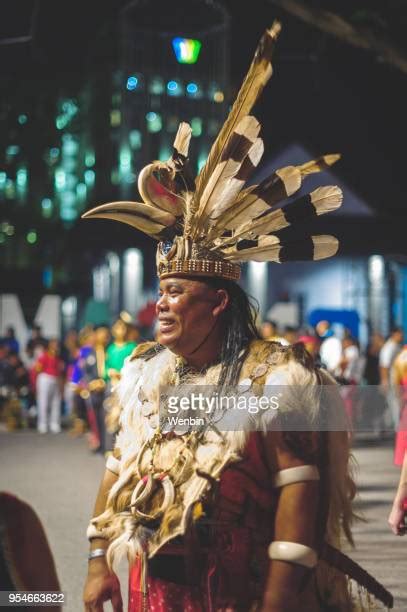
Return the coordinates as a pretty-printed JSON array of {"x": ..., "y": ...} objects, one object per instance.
[{"x": 206, "y": 227}]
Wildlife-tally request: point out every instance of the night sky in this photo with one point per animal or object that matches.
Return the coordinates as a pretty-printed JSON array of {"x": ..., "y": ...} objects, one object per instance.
[{"x": 325, "y": 93}]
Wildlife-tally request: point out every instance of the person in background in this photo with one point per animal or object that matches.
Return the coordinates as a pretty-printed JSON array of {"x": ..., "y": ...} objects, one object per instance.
[
  {"x": 269, "y": 331},
  {"x": 79, "y": 380},
  {"x": 399, "y": 377},
  {"x": 331, "y": 347},
  {"x": 70, "y": 352},
  {"x": 349, "y": 373},
  {"x": 311, "y": 345},
  {"x": 120, "y": 348},
  {"x": 371, "y": 372},
  {"x": 398, "y": 514},
  {"x": 4, "y": 364},
  {"x": 11, "y": 341},
  {"x": 134, "y": 334},
  {"x": 50, "y": 368},
  {"x": 96, "y": 377},
  {"x": 18, "y": 375},
  {"x": 373, "y": 406},
  {"x": 290, "y": 334},
  {"x": 387, "y": 355},
  {"x": 35, "y": 345}
]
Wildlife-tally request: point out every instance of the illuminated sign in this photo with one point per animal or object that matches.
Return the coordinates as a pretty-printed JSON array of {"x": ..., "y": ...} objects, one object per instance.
[{"x": 186, "y": 50}]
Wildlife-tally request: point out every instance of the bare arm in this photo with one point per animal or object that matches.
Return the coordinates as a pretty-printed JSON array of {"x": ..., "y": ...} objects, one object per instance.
[
  {"x": 396, "y": 518},
  {"x": 101, "y": 584},
  {"x": 295, "y": 521}
]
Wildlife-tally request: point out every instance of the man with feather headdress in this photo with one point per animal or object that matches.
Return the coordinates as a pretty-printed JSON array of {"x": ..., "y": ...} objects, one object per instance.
[{"x": 234, "y": 518}]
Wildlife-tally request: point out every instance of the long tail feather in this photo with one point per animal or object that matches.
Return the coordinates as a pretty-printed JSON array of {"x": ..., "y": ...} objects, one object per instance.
[
  {"x": 280, "y": 185},
  {"x": 232, "y": 171},
  {"x": 271, "y": 248},
  {"x": 259, "y": 73},
  {"x": 182, "y": 140},
  {"x": 320, "y": 164},
  {"x": 319, "y": 202},
  {"x": 256, "y": 200},
  {"x": 143, "y": 217}
]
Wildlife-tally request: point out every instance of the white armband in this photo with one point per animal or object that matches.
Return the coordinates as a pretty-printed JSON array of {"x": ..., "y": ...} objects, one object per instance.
[
  {"x": 299, "y": 473},
  {"x": 113, "y": 465},
  {"x": 293, "y": 553}
]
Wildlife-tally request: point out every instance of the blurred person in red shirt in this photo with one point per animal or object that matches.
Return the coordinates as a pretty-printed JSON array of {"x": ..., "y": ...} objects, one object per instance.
[{"x": 50, "y": 368}]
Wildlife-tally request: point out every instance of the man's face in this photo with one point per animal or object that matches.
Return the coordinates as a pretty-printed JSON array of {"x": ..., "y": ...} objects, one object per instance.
[{"x": 187, "y": 312}]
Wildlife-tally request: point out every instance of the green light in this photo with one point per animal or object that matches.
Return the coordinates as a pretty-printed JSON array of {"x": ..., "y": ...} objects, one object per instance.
[
  {"x": 81, "y": 190},
  {"x": 31, "y": 237},
  {"x": 164, "y": 154},
  {"x": 89, "y": 176},
  {"x": 154, "y": 122},
  {"x": 46, "y": 206},
  {"x": 156, "y": 86},
  {"x": 90, "y": 159},
  {"x": 196, "y": 126},
  {"x": 2, "y": 238},
  {"x": 115, "y": 177},
  {"x": 21, "y": 178},
  {"x": 70, "y": 146},
  {"x": 125, "y": 159},
  {"x": 61, "y": 122},
  {"x": 60, "y": 179},
  {"x": 69, "y": 107},
  {"x": 10, "y": 189},
  {"x": 202, "y": 160},
  {"x": 135, "y": 139},
  {"x": 115, "y": 118},
  {"x": 186, "y": 50},
  {"x": 68, "y": 214},
  {"x": 3, "y": 180},
  {"x": 22, "y": 119},
  {"x": 9, "y": 230},
  {"x": 13, "y": 150},
  {"x": 68, "y": 199}
]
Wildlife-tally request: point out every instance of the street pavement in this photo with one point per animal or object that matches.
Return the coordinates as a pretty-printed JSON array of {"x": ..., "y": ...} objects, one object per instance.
[{"x": 59, "y": 477}]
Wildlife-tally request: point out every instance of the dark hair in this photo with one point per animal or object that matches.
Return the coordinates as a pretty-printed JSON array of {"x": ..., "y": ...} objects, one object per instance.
[
  {"x": 396, "y": 330},
  {"x": 239, "y": 328},
  {"x": 270, "y": 321}
]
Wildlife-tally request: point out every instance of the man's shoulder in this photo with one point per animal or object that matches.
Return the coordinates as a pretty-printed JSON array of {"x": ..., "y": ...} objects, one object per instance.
[
  {"x": 146, "y": 350},
  {"x": 264, "y": 355}
]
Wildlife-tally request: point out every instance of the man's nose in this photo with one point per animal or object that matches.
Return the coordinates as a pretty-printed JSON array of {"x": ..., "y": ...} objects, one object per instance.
[{"x": 161, "y": 304}]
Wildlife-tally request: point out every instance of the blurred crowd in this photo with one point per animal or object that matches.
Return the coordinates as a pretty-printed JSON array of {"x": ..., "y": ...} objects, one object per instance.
[
  {"x": 371, "y": 380},
  {"x": 50, "y": 384}
]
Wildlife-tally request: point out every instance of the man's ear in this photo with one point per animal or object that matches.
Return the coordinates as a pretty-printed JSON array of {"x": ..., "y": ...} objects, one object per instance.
[{"x": 221, "y": 302}]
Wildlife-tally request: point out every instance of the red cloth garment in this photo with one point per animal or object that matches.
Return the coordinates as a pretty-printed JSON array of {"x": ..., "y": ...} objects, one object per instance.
[
  {"x": 162, "y": 596},
  {"x": 401, "y": 436},
  {"x": 50, "y": 364},
  {"x": 235, "y": 562}
]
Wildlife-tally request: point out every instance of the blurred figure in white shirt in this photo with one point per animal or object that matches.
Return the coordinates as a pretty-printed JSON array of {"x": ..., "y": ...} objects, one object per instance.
[{"x": 331, "y": 347}]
